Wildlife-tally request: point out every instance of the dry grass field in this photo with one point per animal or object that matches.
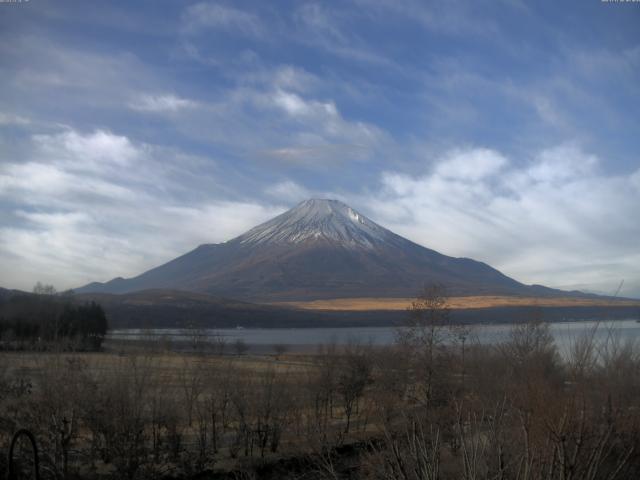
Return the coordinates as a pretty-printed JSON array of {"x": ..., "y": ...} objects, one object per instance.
[
  {"x": 168, "y": 367},
  {"x": 394, "y": 304}
]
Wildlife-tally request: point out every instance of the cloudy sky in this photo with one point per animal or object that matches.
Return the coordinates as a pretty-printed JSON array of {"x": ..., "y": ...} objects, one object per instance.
[{"x": 506, "y": 131}]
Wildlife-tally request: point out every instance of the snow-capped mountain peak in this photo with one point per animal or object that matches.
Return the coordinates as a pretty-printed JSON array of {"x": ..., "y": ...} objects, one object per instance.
[
  {"x": 318, "y": 220},
  {"x": 318, "y": 249}
]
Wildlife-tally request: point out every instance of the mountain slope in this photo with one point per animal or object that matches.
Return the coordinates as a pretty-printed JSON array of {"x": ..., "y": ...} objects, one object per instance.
[
  {"x": 4, "y": 293},
  {"x": 318, "y": 249}
]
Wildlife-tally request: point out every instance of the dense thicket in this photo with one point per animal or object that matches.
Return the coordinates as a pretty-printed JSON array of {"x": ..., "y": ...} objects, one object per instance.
[{"x": 38, "y": 321}]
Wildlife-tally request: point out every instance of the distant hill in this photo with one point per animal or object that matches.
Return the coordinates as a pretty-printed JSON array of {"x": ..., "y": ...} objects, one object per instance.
[
  {"x": 321, "y": 249},
  {"x": 4, "y": 293},
  {"x": 179, "y": 309}
]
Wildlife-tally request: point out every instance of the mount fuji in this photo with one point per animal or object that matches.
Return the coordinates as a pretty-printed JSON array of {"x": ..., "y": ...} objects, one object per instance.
[{"x": 320, "y": 249}]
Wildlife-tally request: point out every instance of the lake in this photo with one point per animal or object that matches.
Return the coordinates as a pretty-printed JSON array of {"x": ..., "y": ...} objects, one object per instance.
[{"x": 565, "y": 333}]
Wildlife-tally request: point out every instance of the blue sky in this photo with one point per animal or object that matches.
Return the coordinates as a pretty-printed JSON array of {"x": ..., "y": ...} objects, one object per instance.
[{"x": 505, "y": 131}]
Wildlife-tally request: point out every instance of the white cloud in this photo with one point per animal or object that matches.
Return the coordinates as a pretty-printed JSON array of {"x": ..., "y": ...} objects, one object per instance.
[
  {"x": 295, "y": 106},
  {"x": 545, "y": 108},
  {"x": 264, "y": 113},
  {"x": 316, "y": 17},
  {"x": 42, "y": 66},
  {"x": 91, "y": 206},
  {"x": 291, "y": 103},
  {"x": 453, "y": 18},
  {"x": 71, "y": 249},
  {"x": 12, "y": 119},
  {"x": 317, "y": 132},
  {"x": 471, "y": 165},
  {"x": 562, "y": 164},
  {"x": 293, "y": 78},
  {"x": 329, "y": 29},
  {"x": 288, "y": 191},
  {"x": 35, "y": 183},
  {"x": 216, "y": 221},
  {"x": 211, "y": 15},
  {"x": 55, "y": 220},
  {"x": 67, "y": 169},
  {"x": 556, "y": 221},
  {"x": 161, "y": 103},
  {"x": 635, "y": 179},
  {"x": 100, "y": 147},
  {"x": 61, "y": 249}
]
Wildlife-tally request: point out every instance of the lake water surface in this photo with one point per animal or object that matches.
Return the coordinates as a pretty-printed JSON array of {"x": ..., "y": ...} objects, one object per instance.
[{"x": 565, "y": 334}]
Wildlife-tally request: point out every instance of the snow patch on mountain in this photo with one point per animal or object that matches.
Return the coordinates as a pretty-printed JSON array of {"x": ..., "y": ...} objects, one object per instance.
[{"x": 319, "y": 219}]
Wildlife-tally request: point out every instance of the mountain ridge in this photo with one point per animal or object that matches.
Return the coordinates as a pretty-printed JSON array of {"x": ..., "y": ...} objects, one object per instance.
[{"x": 321, "y": 248}]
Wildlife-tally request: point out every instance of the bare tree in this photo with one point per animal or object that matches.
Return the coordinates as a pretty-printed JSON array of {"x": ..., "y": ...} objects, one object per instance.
[
  {"x": 354, "y": 376},
  {"x": 321, "y": 390},
  {"x": 280, "y": 349},
  {"x": 461, "y": 334},
  {"x": 531, "y": 348},
  {"x": 425, "y": 333},
  {"x": 218, "y": 391},
  {"x": 115, "y": 415},
  {"x": 196, "y": 335},
  {"x": 240, "y": 346},
  {"x": 57, "y": 405},
  {"x": 191, "y": 382},
  {"x": 412, "y": 453},
  {"x": 219, "y": 343},
  {"x": 44, "y": 289}
]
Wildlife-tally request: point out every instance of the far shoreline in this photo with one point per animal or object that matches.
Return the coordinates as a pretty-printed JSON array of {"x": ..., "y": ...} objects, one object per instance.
[{"x": 456, "y": 303}]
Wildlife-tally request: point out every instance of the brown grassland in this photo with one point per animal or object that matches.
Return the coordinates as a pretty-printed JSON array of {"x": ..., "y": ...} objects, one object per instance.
[{"x": 367, "y": 304}]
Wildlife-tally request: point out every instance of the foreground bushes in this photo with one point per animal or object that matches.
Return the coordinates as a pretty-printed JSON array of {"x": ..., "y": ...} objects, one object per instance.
[{"x": 422, "y": 409}]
